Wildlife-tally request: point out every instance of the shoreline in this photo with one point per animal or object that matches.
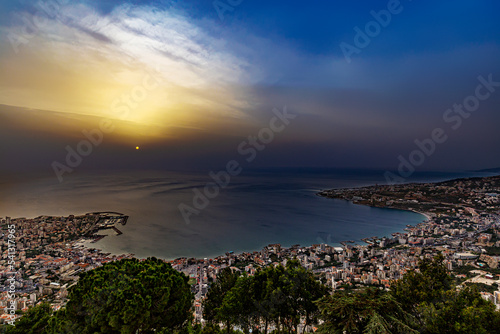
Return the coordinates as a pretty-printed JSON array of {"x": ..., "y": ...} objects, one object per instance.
[
  {"x": 357, "y": 241},
  {"x": 415, "y": 207},
  {"x": 425, "y": 214},
  {"x": 450, "y": 198},
  {"x": 97, "y": 241}
]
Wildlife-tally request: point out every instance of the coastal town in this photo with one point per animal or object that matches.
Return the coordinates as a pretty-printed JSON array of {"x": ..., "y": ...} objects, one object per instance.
[{"x": 43, "y": 256}]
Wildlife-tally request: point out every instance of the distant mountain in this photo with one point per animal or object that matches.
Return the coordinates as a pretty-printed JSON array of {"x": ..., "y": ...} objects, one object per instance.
[{"x": 489, "y": 170}]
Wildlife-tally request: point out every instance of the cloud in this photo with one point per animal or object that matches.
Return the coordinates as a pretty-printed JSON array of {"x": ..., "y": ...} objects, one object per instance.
[{"x": 80, "y": 60}]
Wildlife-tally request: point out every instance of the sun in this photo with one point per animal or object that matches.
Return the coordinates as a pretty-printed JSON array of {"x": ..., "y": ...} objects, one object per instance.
[{"x": 137, "y": 147}]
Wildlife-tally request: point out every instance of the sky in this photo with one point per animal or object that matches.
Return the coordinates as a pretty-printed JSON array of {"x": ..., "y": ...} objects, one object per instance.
[{"x": 187, "y": 85}]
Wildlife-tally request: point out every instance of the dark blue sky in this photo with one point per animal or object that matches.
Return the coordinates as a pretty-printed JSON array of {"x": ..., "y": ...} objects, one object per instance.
[{"x": 319, "y": 27}]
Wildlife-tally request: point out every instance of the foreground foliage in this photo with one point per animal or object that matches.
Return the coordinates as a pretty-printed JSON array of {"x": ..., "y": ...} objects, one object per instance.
[
  {"x": 461, "y": 311},
  {"x": 127, "y": 296},
  {"x": 279, "y": 296},
  {"x": 133, "y": 296},
  {"x": 34, "y": 321},
  {"x": 367, "y": 311},
  {"x": 442, "y": 307}
]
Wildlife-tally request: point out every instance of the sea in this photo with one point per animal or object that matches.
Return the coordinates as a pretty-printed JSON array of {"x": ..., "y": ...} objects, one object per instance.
[{"x": 256, "y": 208}]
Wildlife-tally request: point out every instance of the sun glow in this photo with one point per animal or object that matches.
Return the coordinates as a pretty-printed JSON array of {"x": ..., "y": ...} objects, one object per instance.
[{"x": 148, "y": 71}]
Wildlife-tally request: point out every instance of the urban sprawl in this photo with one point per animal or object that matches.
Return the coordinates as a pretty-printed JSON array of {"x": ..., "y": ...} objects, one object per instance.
[{"x": 42, "y": 257}]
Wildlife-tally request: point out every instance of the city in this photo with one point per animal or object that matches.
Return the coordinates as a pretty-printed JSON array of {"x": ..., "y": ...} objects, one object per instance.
[{"x": 50, "y": 252}]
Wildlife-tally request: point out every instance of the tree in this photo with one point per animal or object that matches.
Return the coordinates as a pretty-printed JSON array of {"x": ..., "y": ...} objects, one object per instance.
[
  {"x": 304, "y": 290},
  {"x": 211, "y": 328},
  {"x": 127, "y": 296},
  {"x": 261, "y": 294},
  {"x": 277, "y": 295},
  {"x": 439, "y": 306},
  {"x": 463, "y": 311},
  {"x": 272, "y": 297},
  {"x": 367, "y": 311},
  {"x": 225, "y": 281},
  {"x": 34, "y": 321},
  {"x": 237, "y": 305},
  {"x": 427, "y": 285}
]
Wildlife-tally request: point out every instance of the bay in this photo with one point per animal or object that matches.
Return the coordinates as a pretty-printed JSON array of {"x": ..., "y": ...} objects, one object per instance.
[{"x": 255, "y": 209}]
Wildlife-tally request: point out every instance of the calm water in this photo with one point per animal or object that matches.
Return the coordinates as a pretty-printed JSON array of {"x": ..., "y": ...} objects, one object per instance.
[{"x": 257, "y": 208}]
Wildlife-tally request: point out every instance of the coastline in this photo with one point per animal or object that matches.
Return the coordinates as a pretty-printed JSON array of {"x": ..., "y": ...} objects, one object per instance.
[
  {"x": 99, "y": 239},
  {"x": 447, "y": 198},
  {"x": 425, "y": 214},
  {"x": 358, "y": 240},
  {"x": 329, "y": 230},
  {"x": 427, "y": 217}
]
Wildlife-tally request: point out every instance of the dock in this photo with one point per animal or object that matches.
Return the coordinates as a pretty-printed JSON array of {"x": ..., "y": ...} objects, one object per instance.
[{"x": 118, "y": 232}]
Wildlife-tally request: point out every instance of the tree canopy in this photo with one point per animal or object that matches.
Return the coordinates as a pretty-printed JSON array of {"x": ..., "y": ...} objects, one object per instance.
[
  {"x": 423, "y": 301},
  {"x": 276, "y": 295},
  {"x": 226, "y": 280},
  {"x": 460, "y": 311},
  {"x": 132, "y": 296},
  {"x": 425, "y": 285},
  {"x": 34, "y": 321},
  {"x": 368, "y": 311},
  {"x": 127, "y": 296}
]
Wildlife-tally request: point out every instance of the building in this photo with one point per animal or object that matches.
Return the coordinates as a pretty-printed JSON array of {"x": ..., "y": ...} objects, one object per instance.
[
  {"x": 497, "y": 299},
  {"x": 466, "y": 256}
]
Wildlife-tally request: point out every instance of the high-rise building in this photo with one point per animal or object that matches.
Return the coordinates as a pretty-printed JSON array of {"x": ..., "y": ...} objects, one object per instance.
[
  {"x": 449, "y": 265},
  {"x": 334, "y": 284}
]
